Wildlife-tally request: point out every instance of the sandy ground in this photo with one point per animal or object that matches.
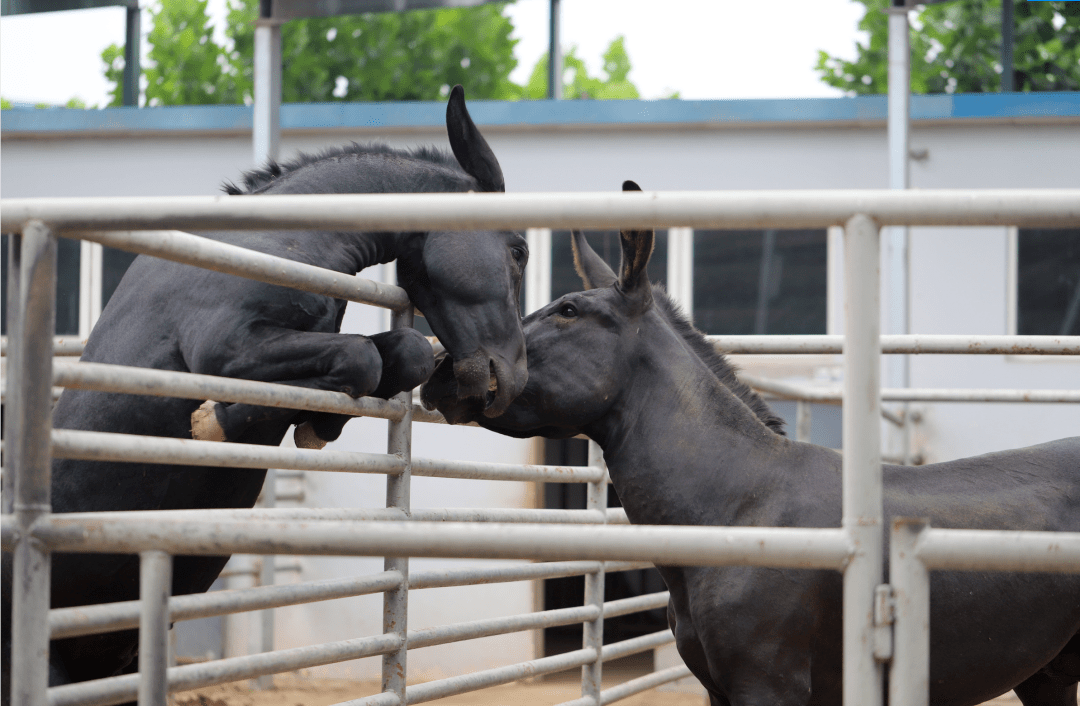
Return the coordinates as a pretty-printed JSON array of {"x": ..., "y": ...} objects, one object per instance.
[{"x": 291, "y": 690}]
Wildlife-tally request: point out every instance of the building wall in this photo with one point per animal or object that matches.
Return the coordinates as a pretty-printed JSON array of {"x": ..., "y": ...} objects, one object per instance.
[{"x": 958, "y": 275}]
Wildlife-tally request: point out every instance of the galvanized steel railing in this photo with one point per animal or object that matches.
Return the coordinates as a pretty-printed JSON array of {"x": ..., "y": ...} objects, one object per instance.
[{"x": 32, "y": 532}]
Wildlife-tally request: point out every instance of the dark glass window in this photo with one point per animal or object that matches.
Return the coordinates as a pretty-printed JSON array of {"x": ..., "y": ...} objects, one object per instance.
[
  {"x": 757, "y": 282},
  {"x": 67, "y": 286},
  {"x": 564, "y": 279},
  {"x": 114, "y": 263},
  {"x": 1048, "y": 282}
]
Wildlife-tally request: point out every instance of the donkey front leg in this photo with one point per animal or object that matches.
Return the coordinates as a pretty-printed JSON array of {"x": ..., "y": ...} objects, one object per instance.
[
  {"x": 382, "y": 366},
  {"x": 407, "y": 361},
  {"x": 323, "y": 361}
]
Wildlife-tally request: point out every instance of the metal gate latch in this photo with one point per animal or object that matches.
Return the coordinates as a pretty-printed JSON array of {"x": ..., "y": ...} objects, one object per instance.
[{"x": 884, "y": 612}]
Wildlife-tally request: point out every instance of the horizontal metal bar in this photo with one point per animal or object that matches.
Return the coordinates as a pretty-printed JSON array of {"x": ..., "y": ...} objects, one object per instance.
[
  {"x": 280, "y": 568},
  {"x": 115, "y": 690},
  {"x": 107, "y": 446},
  {"x": 56, "y": 392},
  {"x": 505, "y": 471},
  {"x": 781, "y": 344},
  {"x": 163, "y": 383},
  {"x": 473, "y": 576},
  {"x": 280, "y": 514},
  {"x": 442, "y": 688},
  {"x": 649, "y": 681},
  {"x": 999, "y": 550},
  {"x": 634, "y": 645},
  {"x": 903, "y": 344},
  {"x": 634, "y": 686},
  {"x": 386, "y": 698},
  {"x": 62, "y": 345},
  {"x": 444, "y": 634},
  {"x": 679, "y": 546},
  {"x": 835, "y": 395},
  {"x": 498, "y": 514},
  {"x": 636, "y": 604},
  {"x": 222, "y": 257},
  {"x": 90, "y": 620},
  {"x": 617, "y": 516},
  {"x": 696, "y": 209}
]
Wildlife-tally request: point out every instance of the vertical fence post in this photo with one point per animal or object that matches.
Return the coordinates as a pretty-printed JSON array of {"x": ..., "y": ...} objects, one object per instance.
[
  {"x": 155, "y": 586},
  {"x": 266, "y": 578},
  {"x": 592, "y": 672},
  {"x": 862, "y": 494},
  {"x": 909, "y": 675},
  {"x": 802, "y": 420},
  {"x": 396, "y": 602},
  {"x": 33, "y": 338},
  {"x": 14, "y": 353}
]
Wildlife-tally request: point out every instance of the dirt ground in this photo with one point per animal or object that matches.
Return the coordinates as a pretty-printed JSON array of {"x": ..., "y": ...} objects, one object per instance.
[{"x": 291, "y": 690}]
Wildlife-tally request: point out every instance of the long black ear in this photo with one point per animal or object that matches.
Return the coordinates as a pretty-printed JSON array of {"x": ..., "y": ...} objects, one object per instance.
[
  {"x": 469, "y": 146},
  {"x": 594, "y": 272},
  {"x": 637, "y": 247}
]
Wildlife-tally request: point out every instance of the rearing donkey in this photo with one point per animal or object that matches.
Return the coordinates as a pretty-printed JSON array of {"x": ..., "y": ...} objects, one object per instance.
[
  {"x": 175, "y": 317},
  {"x": 618, "y": 364}
]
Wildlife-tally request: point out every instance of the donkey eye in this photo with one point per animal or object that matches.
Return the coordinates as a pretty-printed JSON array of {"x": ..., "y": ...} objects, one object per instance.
[
  {"x": 567, "y": 311},
  {"x": 520, "y": 254}
]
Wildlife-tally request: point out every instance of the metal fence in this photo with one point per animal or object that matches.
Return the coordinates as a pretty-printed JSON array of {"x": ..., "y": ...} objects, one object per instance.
[{"x": 572, "y": 542}]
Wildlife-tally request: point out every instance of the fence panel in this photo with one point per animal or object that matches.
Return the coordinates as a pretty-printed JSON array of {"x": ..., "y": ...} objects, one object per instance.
[{"x": 588, "y": 548}]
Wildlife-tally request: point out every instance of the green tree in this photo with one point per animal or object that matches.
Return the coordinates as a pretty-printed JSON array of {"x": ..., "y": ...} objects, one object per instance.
[
  {"x": 616, "y": 84},
  {"x": 956, "y": 48},
  {"x": 375, "y": 57}
]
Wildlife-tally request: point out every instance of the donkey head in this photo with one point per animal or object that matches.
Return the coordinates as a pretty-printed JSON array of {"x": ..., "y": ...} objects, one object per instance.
[
  {"x": 579, "y": 348},
  {"x": 468, "y": 283}
]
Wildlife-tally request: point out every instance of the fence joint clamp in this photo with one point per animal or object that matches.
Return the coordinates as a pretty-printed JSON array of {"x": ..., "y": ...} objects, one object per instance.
[{"x": 884, "y": 617}]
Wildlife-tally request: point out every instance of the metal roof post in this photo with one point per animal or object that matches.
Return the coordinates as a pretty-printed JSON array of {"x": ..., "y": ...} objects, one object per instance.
[{"x": 266, "y": 125}]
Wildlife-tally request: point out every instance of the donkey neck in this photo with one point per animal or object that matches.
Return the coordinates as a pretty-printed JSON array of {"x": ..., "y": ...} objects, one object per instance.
[{"x": 682, "y": 448}]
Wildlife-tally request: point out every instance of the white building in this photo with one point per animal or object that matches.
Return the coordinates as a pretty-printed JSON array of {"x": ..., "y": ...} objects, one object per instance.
[{"x": 962, "y": 280}]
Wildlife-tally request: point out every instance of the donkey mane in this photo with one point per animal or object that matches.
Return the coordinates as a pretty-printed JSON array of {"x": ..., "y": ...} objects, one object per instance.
[
  {"x": 259, "y": 178},
  {"x": 717, "y": 363}
]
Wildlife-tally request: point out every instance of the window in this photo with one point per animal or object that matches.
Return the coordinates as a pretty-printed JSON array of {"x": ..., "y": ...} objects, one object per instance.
[
  {"x": 1047, "y": 282},
  {"x": 68, "y": 302},
  {"x": 759, "y": 282},
  {"x": 114, "y": 263}
]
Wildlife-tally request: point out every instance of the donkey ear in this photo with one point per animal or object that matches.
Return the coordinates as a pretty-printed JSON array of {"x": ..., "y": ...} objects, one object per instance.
[
  {"x": 637, "y": 247},
  {"x": 594, "y": 272},
  {"x": 469, "y": 146}
]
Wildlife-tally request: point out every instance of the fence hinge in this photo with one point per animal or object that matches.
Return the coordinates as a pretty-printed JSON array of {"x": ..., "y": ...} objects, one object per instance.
[{"x": 884, "y": 612}]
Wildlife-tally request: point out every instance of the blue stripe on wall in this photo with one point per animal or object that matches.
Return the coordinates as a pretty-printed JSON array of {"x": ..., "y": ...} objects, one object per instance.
[{"x": 235, "y": 118}]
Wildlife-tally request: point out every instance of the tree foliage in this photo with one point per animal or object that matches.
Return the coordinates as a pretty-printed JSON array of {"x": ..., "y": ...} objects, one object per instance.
[
  {"x": 615, "y": 85},
  {"x": 414, "y": 55},
  {"x": 373, "y": 57},
  {"x": 956, "y": 48}
]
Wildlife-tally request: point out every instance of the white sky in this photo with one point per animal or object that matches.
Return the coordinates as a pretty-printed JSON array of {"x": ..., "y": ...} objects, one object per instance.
[{"x": 702, "y": 48}]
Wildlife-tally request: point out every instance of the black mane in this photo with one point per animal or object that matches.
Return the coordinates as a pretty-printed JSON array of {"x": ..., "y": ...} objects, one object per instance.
[
  {"x": 717, "y": 363},
  {"x": 259, "y": 178}
]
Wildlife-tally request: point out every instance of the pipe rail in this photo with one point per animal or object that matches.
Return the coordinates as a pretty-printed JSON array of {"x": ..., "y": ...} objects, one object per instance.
[
  {"x": 696, "y": 209},
  {"x": 589, "y": 548},
  {"x": 835, "y": 395}
]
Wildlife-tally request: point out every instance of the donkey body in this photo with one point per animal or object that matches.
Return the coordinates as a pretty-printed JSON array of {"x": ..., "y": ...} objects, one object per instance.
[{"x": 684, "y": 448}]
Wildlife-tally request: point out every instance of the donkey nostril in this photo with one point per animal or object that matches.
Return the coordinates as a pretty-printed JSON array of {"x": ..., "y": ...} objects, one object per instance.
[{"x": 493, "y": 380}]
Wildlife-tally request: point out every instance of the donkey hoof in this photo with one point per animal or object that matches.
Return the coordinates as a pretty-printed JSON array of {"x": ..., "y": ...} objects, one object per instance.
[
  {"x": 204, "y": 423},
  {"x": 306, "y": 438}
]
